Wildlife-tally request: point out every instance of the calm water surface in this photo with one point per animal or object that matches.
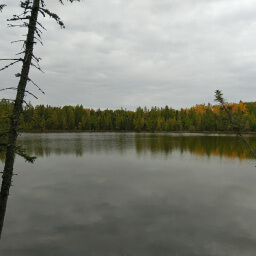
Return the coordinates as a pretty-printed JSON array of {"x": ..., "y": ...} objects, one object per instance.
[{"x": 132, "y": 194}]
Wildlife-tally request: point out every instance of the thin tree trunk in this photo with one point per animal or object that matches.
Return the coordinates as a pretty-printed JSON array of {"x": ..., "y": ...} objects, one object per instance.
[
  {"x": 15, "y": 119},
  {"x": 247, "y": 143}
]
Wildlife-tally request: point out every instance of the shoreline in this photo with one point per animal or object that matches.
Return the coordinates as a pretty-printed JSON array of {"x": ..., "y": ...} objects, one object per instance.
[{"x": 124, "y": 131}]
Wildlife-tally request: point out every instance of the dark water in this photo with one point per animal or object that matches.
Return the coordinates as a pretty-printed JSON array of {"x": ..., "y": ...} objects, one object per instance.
[{"x": 132, "y": 194}]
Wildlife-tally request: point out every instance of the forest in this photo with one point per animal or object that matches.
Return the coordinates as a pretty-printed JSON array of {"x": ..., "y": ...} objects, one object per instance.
[{"x": 198, "y": 118}]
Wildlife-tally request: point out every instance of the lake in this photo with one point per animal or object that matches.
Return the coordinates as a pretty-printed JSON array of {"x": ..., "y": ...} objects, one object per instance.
[{"x": 161, "y": 194}]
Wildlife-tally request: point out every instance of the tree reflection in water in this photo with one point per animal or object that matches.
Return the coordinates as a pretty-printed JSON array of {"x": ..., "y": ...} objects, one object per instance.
[{"x": 228, "y": 146}]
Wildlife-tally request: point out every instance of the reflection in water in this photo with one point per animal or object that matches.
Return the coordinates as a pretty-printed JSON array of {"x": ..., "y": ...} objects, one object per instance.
[
  {"x": 217, "y": 145},
  {"x": 76, "y": 143},
  {"x": 93, "y": 195},
  {"x": 80, "y": 143}
]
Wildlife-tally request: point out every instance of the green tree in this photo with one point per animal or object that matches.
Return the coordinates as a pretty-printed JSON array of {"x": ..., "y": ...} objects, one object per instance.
[{"x": 138, "y": 120}]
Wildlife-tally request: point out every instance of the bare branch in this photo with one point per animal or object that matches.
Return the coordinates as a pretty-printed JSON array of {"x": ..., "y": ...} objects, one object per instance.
[
  {"x": 20, "y": 53},
  {"x": 17, "y": 41},
  {"x": 42, "y": 3},
  {"x": 39, "y": 40},
  {"x": 25, "y": 5},
  {"x": 25, "y": 103},
  {"x": 7, "y": 66},
  {"x": 36, "y": 66},
  {"x": 19, "y": 18},
  {"x": 13, "y": 59},
  {"x": 30, "y": 93},
  {"x": 30, "y": 80},
  {"x": 36, "y": 86},
  {"x": 36, "y": 58},
  {"x": 42, "y": 12},
  {"x": 40, "y": 24},
  {"x": 38, "y": 31},
  {"x": 19, "y": 25},
  {"x": 9, "y": 88},
  {"x": 71, "y": 1}
]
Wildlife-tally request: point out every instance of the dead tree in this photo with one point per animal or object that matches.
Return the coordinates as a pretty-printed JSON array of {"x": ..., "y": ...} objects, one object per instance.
[
  {"x": 236, "y": 125},
  {"x": 29, "y": 19}
]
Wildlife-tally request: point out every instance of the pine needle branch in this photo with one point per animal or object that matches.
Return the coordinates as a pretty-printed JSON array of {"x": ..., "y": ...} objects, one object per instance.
[
  {"x": 54, "y": 16},
  {"x": 9, "y": 88}
]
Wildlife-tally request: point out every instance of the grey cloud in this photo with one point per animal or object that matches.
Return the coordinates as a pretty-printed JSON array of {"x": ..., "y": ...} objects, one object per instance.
[{"x": 128, "y": 47}]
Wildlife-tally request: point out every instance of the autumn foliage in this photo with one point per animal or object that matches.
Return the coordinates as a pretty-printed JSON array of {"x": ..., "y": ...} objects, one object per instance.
[{"x": 77, "y": 118}]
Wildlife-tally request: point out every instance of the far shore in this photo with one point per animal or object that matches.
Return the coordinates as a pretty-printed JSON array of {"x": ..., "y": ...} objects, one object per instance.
[{"x": 124, "y": 131}]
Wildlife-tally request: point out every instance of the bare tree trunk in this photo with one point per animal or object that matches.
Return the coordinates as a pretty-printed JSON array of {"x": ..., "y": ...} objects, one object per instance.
[{"x": 15, "y": 119}]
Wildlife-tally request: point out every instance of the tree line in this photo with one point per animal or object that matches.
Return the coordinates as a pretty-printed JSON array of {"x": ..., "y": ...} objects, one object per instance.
[{"x": 77, "y": 118}]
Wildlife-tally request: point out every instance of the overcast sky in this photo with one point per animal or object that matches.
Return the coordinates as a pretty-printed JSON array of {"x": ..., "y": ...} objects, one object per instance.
[{"x": 127, "y": 53}]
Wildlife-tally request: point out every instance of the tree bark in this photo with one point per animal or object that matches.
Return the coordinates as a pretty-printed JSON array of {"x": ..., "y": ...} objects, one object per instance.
[{"x": 15, "y": 119}]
